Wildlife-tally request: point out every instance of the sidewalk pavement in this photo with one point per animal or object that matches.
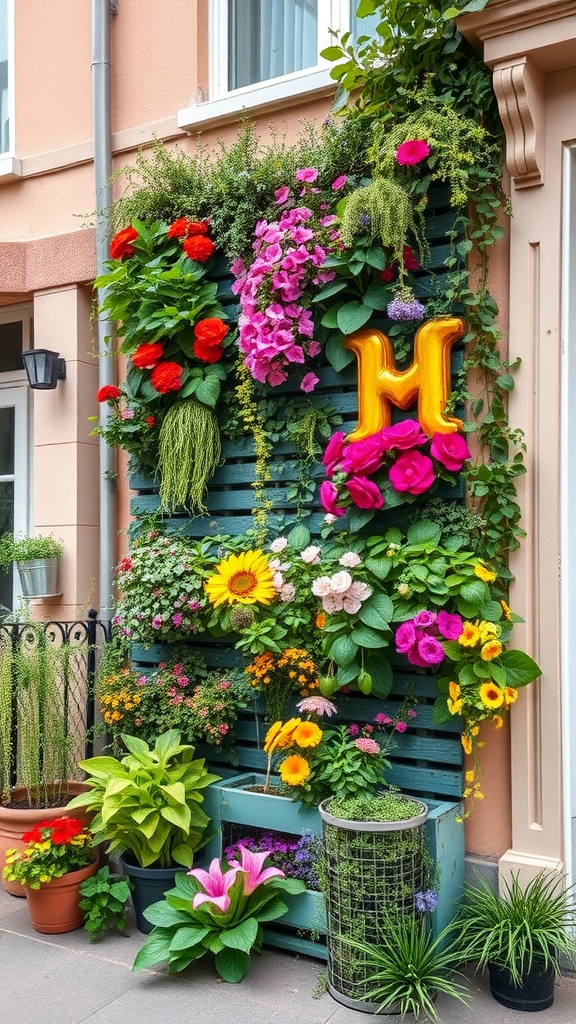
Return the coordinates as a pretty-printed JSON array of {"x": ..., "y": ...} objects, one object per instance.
[{"x": 66, "y": 979}]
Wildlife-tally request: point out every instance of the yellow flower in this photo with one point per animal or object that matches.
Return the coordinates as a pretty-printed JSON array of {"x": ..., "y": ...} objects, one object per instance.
[
  {"x": 470, "y": 776},
  {"x": 470, "y": 635},
  {"x": 294, "y": 770},
  {"x": 484, "y": 574},
  {"x": 455, "y": 706},
  {"x": 475, "y": 729},
  {"x": 489, "y": 631},
  {"x": 466, "y": 743},
  {"x": 246, "y": 578},
  {"x": 284, "y": 738},
  {"x": 491, "y": 695},
  {"x": 271, "y": 736},
  {"x": 506, "y": 611},
  {"x": 454, "y": 690},
  {"x": 307, "y": 734},
  {"x": 491, "y": 650},
  {"x": 478, "y": 795},
  {"x": 510, "y": 694},
  {"x": 497, "y": 721}
]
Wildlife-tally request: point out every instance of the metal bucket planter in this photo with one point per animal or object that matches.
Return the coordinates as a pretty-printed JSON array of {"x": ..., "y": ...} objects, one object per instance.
[
  {"x": 39, "y": 577},
  {"x": 373, "y": 869}
]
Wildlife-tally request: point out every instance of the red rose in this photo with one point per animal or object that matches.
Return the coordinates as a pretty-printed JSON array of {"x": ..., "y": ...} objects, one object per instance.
[
  {"x": 198, "y": 248},
  {"x": 211, "y": 331},
  {"x": 207, "y": 353},
  {"x": 146, "y": 356},
  {"x": 120, "y": 244},
  {"x": 166, "y": 377},
  {"x": 109, "y": 393}
]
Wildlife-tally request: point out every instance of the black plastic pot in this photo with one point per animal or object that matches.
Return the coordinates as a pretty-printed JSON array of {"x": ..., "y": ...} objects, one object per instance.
[
  {"x": 535, "y": 993},
  {"x": 150, "y": 885}
]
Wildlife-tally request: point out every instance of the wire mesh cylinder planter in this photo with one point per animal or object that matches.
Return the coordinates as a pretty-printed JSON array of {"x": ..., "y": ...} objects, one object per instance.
[{"x": 372, "y": 872}]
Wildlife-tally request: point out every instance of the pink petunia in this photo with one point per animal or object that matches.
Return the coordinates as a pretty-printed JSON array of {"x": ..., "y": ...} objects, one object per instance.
[
  {"x": 280, "y": 195},
  {"x": 307, "y": 174},
  {"x": 339, "y": 182},
  {"x": 309, "y": 382}
]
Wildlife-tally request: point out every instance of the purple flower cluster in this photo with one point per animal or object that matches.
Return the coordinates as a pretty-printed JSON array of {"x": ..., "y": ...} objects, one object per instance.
[
  {"x": 275, "y": 323},
  {"x": 405, "y": 306},
  {"x": 296, "y": 858},
  {"x": 420, "y": 638},
  {"x": 426, "y": 901}
]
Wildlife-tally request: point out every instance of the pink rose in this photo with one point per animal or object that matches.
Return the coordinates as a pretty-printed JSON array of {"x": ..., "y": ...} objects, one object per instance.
[
  {"x": 339, "y": 182},
  {"x": 400, "y": 726},
  {"x": 329, "y": 497},
  {"x": 449, "y": 626},
  {"x": 451, "y": 450},
  {"x": 424, "y": 619},
  {"x": 405, "y": 637},
  {"x": 412, "y": 472},
  {"x": 364, "y": 493},
  {"x": 308, "y": 174},
  {"x": 403, "y": 436},
  {"x": 334, "y": 452},
  {"x": 363, "y": 456},
  {"x": 430, "y": 650}
]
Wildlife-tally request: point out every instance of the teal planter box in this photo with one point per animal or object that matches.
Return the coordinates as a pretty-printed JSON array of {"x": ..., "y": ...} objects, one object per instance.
[{"x": 232, "y": 801}]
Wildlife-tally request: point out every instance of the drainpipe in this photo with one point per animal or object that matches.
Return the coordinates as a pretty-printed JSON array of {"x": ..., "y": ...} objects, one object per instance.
[{"x": 101, "y": 10}]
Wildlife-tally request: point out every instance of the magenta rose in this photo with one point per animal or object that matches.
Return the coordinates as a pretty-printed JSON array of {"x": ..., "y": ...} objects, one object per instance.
[
  {"x": 449, "y": 626},
  {"x": 334, "y": 452},
  {"x": 451, "y": 450},
  {"x": 403, "y": 436},
  {"x": 425, "y": 619},
  {"x": 364, "y": 457},
  {"x": 329, "y": 497},
  {"x": 412, "y": 472},
  {"x": 405, "y": 637},
  {"x": 364, "y": 493}
]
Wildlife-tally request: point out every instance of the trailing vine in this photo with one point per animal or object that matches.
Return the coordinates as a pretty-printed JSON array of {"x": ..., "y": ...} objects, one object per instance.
[{"x": 262, "y": 447}]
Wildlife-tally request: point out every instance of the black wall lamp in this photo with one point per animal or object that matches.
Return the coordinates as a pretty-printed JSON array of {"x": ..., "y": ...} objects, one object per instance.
[{"x": 43, "y": 368}]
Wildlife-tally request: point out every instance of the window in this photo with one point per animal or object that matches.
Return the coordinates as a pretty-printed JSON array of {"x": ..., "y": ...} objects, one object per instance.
[
  {"x": 5, "y": 74},
  {"x": 255, "y": 41}
]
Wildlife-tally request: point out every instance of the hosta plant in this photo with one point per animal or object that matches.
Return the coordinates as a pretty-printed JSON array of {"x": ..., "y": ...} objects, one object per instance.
[
  {"x": 148, "y": 803},
  {"x": 217, "y": 911}
]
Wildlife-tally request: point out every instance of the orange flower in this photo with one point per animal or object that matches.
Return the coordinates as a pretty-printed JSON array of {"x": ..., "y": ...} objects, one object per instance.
[
  {"x": 497, "y": 721},
  {"x": 454, "y": 690},
  {"x": 294, "y": 770},
  {"x": 307, "y": 734},
  {"x": 320, "y": 620},
  {"x": 470, "y": 635},
  {"x": 491, "y": 650},
  {"x": 510, "y": 694},
  {"x": 466, "y": 743}
]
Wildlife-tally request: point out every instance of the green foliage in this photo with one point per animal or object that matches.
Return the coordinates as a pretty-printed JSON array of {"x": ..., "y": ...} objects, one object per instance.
[
  {"x": 24, "y": 549},
  {"x": 381, "y": 210},
  {"x": 183, "y": 934},
  {"x": 380, "y": 807},
  {"x": 189, "y": 451},
  {"x": 53, "y": 848},
  {"x": 525, "y": 924},
  {"x": 104, "y": 899},
  {"x": 148, "y": 802}
]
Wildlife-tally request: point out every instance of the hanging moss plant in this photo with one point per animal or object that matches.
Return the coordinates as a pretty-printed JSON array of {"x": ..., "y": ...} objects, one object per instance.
[
  {"x": 383, "y": 210},
  {"x": 188, "y": 454}
]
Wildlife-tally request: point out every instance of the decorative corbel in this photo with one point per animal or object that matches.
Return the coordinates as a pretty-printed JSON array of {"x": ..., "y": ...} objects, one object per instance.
[{"x": 519, "y": 87}]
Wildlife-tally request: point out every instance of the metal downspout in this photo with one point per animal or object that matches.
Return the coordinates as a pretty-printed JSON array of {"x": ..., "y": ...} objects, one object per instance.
[{"x": 101, "y": 10}]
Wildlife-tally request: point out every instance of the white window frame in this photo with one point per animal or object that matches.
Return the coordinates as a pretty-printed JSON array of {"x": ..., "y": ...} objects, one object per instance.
[
  {"x": 10, "y": 167},
  {"x": 223, "y": 103}
]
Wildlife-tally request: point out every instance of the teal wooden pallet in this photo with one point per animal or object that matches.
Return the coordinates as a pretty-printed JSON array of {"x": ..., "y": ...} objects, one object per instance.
[{"x": 230, "y": 801}]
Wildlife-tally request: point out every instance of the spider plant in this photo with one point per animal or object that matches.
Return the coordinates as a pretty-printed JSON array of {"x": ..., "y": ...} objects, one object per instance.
[{"x": 525, "y": 925}]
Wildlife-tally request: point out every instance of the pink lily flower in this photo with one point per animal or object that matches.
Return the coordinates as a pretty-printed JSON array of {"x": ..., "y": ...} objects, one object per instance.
[
  {"x": 251, "y": 863},
  {"x": 215, "y": 885}
]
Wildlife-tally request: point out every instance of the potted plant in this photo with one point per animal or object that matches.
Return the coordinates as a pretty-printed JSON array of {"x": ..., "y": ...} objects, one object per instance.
[
  {"x": 374, "y": 863},
  {"x": 59, "y": 855},
  {"x": 103, "y": 899},
  {"x": 519, "y": 937},
  {"x": 147, "y": 805},
  {"x": 218, "y": 911},
  {"x": 37, "y": 765},
  {"x": 38, "y": 561}
]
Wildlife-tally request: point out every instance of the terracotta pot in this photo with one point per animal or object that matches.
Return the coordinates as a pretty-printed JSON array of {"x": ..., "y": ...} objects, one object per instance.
[
  {"x": 54, "y": 907},
  {"x": 15, "y": 821}
]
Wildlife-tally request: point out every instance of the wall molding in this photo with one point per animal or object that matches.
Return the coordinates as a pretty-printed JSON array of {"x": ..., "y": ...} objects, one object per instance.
[{"x": 520, "y": 90}]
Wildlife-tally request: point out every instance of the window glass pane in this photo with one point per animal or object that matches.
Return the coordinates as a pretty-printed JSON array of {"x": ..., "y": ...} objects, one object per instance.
[
  {"x": 6, "y": 442},
  {"x": 11, "y": 346},
  {"x": 4, "y": 104},
  {"x": 362, "y": 26},
  {"x": 6, "y": 526},
  {"x": 266, "y": 40}
]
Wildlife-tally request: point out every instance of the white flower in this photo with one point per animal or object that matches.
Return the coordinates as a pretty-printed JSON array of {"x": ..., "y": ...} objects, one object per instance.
[
  {"x": 310, "y": 555},
  {"x": 351, "y": 604},
  {"x": 287, "y": 592},
  {"x": 278, "y": 580},
  {"x": 350, "y": 559},
  {"x": 321, "y": 586},
  {"x": 329, "y": 519},
  {"x": 361, "y": 591},
  {"x": 278, "y": 545},
  {"x": 340, "y": 582},
  {"x": 332, "y": 603}
]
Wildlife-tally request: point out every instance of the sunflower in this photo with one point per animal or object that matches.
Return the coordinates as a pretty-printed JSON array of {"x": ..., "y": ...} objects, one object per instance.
[
  {"x": 491, "y": 695},
  {"x": 484, "y": 574},
  {"x": 470, "y": 635},
  {"x": 246, "y": 578},
  {"x": 491, "y": 650},
  {"x": 294, "y": 770},
  {"x": 307, "y": 734}
]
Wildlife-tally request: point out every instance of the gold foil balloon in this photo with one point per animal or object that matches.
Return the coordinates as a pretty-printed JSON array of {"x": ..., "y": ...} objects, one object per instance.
[{"x": 427, "y": 380}]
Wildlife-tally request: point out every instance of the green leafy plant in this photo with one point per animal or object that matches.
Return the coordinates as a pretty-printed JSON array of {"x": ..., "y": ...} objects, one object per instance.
[
  {"x": 53, "y": 848},
  {"x": 526, "y": 925},
  {"x": 217, "y": 912},
  {"x": 147, "y": 803},
  {"x": 24, "y": 549},
  {"x": 104, "y": 898}
]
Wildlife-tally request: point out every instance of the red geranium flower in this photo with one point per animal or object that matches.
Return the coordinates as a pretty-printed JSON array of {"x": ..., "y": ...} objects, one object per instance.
[
  {"x": 166, "y": 377},
  {"x": 198, "y": 248},
  {"x": 207, "y": 353},
  {"x": 146, "y": 356},
  {"x": 34, "y": 835},
  {"x": 210, "y": 331},
  {"x": 411, "y": 152},
  {"x": 120, "y": 244},
  {"x": 151, "y": 421},
  {"x": 109, "y": 393},
  {"x": 182, "y": 227}
]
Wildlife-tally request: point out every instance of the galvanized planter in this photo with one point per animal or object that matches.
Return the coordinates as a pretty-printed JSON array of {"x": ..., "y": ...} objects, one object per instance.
[{"x": 39, "y": 577}]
